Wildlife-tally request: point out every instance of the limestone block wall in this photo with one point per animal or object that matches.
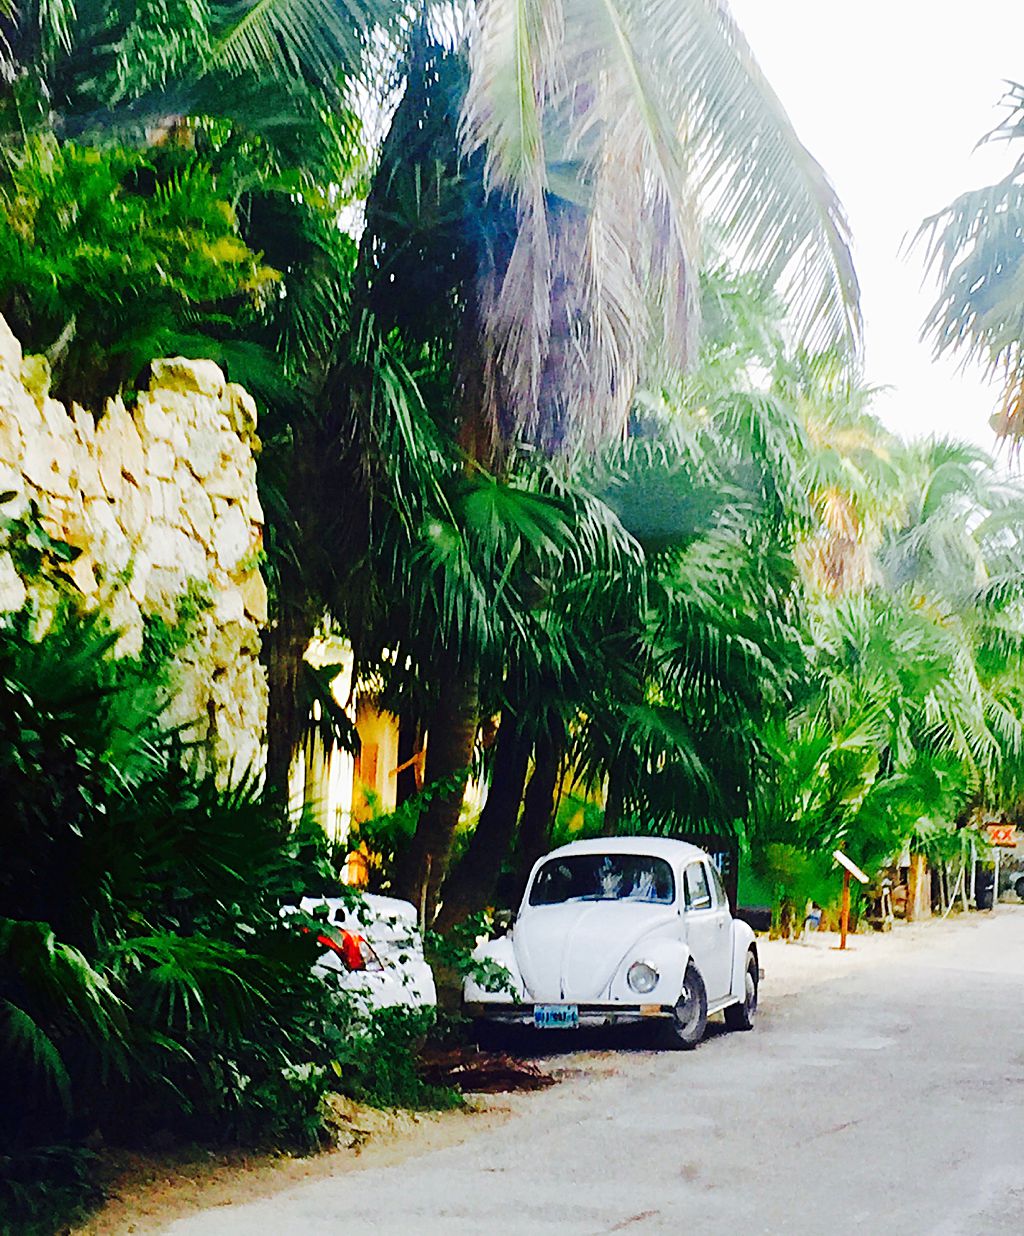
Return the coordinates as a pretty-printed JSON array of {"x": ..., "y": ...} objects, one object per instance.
[{"x": 161, "y": 500}]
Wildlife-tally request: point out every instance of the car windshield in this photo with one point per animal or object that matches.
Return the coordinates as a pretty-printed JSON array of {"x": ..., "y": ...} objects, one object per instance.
[{"x": 603, "y": 877}]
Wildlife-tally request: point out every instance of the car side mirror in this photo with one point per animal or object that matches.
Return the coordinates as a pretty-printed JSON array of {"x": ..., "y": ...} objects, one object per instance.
[{"x": 503, "y": 919}]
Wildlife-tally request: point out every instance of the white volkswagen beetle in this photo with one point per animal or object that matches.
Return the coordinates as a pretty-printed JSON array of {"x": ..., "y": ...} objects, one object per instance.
[{"x": 622, "y": 929}]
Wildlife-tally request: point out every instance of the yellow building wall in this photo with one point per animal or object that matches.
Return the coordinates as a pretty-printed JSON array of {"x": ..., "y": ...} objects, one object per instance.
[{"x": 375, "y": 774}]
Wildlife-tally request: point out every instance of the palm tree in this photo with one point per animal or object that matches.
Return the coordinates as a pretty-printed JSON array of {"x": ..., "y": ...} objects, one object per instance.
[
  {"x": 479, "y": 580},
  {"x": 976, "y": 245},
  {"x": 655, "y": 703},
  {"x": 911, "y": 717},
  {"x": 957, "y": 555},
  {"x": 533, "y": 227},
  {"x": 616, "y": 131}
]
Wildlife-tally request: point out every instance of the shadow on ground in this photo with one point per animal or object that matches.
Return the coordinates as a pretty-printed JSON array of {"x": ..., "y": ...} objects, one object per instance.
[{"x": 541, "y": 1045}]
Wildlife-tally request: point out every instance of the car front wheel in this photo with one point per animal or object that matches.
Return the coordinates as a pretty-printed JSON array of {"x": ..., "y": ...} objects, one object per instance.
[
  {"x": 741, "y": 1016},
  {"x": 685, "y": 1028}
]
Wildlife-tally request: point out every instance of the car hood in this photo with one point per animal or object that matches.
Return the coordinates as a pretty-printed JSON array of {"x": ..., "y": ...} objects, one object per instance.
[{"x": 572, "y": 951}]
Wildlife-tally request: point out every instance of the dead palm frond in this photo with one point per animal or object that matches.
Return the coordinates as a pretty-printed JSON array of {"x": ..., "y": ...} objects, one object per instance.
[{"x": 616, "y": 127}]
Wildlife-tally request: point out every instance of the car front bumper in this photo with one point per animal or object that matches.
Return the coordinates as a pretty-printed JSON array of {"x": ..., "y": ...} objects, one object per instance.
[{"x": 589, "y": 1014}]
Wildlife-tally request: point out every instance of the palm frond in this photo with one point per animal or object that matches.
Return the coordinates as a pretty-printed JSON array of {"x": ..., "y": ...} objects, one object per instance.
[
  {"x": 768, "y": 193},
  {"x": 632, "y": 121},
  {"x": 32, "y": 1052},
  {"x": 321, "y": 40},
  {"x": 189, "y": 982},
  {"x": 975, "y": 246}
]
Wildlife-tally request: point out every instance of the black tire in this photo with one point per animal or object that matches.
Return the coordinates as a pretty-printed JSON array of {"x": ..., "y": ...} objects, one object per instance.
[
  {"x": 490, "y": 1035},
  {"x": 741, "y": 1016},
  {"x": 685, "y": 1028},
  {"x": 1018, "y": 887}
]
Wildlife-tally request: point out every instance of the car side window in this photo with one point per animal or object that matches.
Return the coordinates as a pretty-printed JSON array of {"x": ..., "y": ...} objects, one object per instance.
[
  {"x": 721, "y": 897},
  {"x": 698, "y": 895}
]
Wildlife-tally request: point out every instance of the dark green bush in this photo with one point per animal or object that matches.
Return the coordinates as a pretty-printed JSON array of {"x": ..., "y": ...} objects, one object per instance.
[
  {"x": 43, "y": 1188},
  {"x": 147, "y": 980}
]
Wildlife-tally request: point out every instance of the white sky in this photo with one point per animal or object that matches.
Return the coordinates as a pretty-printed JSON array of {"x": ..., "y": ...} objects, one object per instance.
[{"x": 891, "y": 97}]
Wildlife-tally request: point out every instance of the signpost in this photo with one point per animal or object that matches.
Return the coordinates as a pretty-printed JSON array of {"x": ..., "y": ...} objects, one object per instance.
[
  {"x": 849, "y": 869},
  {"x": 1001, "y": 837}
]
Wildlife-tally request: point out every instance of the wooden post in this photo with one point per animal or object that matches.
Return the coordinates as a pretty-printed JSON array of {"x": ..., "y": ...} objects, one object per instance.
[{"x": 844, "y": 921}]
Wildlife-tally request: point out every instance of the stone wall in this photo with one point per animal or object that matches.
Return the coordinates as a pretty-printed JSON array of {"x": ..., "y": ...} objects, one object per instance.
[{"x": 160, "y": 499}]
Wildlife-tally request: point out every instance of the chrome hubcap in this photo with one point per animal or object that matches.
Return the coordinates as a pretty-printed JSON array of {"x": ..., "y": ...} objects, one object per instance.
[{"x": 687, "y": 1010}]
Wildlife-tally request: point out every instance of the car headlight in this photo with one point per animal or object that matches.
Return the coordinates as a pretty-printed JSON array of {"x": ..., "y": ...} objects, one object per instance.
[{"x": 642, "y": 977}]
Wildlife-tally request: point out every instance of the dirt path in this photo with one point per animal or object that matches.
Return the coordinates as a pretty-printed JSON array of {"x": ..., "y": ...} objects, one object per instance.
[
  {"x": 207, "y": 1198},
  {"x": 148, "y": 1192}
]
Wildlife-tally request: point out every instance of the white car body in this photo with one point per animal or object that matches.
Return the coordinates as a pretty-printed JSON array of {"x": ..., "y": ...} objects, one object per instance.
[
  {"x": 576, "y": 953},
  {"x": 390, "y": 928}
]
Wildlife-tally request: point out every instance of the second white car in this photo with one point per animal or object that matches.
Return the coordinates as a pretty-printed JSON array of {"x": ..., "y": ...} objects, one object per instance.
[{"x": 372, "y": 949}]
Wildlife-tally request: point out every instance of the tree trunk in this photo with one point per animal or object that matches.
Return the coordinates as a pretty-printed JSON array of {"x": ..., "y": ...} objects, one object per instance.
[
  {"x": 470, "y": 886},
  {"x": 613, "y": 802},
  {"x": 451, "y": 732},
  {"x": 410, "y": 742},
  {"x": 539, "y": 804},
  {"x": 407, "y": 782},
  {"x": 305, "y": 536},
  {"x": 284, "y": 645}
]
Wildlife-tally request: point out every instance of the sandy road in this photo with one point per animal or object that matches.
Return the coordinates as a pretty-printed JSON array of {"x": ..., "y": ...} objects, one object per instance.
[{"x": 881, "y": 1092}]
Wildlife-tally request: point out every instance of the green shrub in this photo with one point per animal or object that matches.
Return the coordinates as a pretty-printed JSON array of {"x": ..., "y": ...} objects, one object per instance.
[
  {"x": 43, "y": 1188},
  {"x": 147, "y": 979},
  {"x": 376, "y": 1059},
  {"x": 108, "y": 256}
]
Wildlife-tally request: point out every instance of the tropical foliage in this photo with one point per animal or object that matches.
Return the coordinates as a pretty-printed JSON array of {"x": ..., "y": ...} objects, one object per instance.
[
  {"x": 553, "y": 325},
  {"x": 147, "y": 979}
]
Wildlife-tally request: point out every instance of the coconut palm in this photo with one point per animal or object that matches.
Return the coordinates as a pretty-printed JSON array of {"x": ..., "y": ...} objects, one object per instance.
[
  {"x": 976, "y": 246},
  {"x": 533, "y": 226},
  {"x": 479, "y": 582},
  {"x": 616, "y": 131},
  {"x": 957, "y": 556},
  {"x": 596, "y": 142},
  {"x": 912, "y": 714},
  {"x": 658, "y": 708}
]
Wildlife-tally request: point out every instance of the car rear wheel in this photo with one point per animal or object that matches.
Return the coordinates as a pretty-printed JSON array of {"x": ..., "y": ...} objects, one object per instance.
[
  {"x": 1019, "y": 887},
  {"x": 741, "y": 1016},
  {"x": 490, "y": 1035},
  {"x": 685, "y": 1028}
]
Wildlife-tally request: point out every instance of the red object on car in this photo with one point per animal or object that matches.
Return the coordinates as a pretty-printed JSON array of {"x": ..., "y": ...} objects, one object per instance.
[{"x": 351, "y": 948}]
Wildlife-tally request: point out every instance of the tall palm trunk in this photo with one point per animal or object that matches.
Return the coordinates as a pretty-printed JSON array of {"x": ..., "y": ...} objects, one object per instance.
[
  {"x": 451, "y": 732},
  {"x": 540, "y": 802},
  {"x": 408, "y": 779},
  {"x": 307, "y": 530},
  {"x": 470, "y": 886},
  {"x": 283, "y": 648},
  {"x": 410, "y": 741},
  {"x": 614, "y": 800}
]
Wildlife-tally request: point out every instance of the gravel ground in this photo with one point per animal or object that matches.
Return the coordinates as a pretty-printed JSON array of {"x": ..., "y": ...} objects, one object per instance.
[{"x": 882, "y": 1090}]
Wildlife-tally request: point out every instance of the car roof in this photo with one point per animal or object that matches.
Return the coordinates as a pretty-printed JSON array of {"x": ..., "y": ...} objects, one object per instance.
[
  {"x": 374, "y": 904},
  {"x": 668, "y": 848}
]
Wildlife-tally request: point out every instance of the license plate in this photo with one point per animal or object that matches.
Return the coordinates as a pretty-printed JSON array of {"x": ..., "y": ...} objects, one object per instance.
[{"x": 556, "y": 1016}]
